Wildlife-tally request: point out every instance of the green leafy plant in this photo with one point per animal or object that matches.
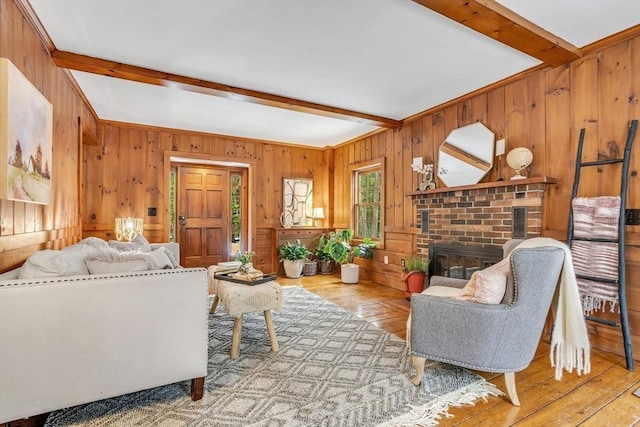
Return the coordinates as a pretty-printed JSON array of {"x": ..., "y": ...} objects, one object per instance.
[
  {"x": 293, "y": 251},
  {"x": 321, "y": 251},
  {"x": 416, "y": 264},
  {"x": 338, "y": 247},
  {"x": 245, "y": 257}
]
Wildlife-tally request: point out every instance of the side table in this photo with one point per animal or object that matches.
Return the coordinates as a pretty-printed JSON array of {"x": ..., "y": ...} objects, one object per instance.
[{"x": 239, "y": 299}]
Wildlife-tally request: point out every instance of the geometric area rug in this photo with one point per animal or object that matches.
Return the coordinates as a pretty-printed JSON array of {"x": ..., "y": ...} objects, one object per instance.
[{"x": 332, "y": 369}]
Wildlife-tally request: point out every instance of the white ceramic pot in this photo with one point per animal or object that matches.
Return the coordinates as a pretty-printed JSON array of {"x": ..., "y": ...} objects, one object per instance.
[
  {"x": 293, "y": 269},
  {"x": 349, "y": 273}
]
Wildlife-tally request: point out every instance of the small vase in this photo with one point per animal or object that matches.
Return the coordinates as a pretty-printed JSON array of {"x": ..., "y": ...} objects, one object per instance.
[{"x": 245, "y": 268}]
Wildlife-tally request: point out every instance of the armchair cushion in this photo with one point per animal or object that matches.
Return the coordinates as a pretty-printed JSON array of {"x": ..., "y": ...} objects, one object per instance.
[
  {"x": 488, "y": 286},
  {"x": 443, "y": 291}
]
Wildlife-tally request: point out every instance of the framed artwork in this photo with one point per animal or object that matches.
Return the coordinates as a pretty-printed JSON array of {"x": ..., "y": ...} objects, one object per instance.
[
  {"x": 26, "y": 138},
  {"x": 297, "y": 202}
]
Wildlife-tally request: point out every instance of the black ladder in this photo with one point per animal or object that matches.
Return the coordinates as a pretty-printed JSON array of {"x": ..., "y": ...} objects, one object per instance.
[{"x": 621, "y": 280}]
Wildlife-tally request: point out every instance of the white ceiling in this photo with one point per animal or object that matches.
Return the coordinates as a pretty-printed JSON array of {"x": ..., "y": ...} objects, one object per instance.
[{"x": 390, "y": 58}]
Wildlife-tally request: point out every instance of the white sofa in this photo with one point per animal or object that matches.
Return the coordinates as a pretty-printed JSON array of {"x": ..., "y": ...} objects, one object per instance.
[{"x": 70, "y": 340}]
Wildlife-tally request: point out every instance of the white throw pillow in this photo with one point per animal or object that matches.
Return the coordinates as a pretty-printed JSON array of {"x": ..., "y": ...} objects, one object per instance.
[
  {"x": 159, "y": 260},
  {"x": 50, "y": 263},
  {"x": 94, "y": 242},
  {"x": 174, "y": 262},
  {"x": 489, "y": 285}
]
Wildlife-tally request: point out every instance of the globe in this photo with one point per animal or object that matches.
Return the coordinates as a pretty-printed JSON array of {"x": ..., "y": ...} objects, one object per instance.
[{"x": 518, "y": 159}]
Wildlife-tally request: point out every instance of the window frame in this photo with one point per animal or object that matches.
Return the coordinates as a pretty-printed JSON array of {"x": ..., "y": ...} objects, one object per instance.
[{"x": 354, "y": 171}]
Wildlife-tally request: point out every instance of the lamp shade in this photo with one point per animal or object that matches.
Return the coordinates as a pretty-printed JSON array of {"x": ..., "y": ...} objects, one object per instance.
[
  {"x": 518, "y": 159},
  {"x": 318, "y": 213},
  {"x": 128, "y": 228}
]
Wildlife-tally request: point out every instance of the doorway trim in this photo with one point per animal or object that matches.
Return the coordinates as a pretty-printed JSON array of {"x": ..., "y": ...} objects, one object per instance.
[{"x": 181, "y": 157}]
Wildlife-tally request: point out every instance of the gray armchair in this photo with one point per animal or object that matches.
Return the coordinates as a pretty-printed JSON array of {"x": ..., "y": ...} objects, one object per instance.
[{"x": 488, "y": 337}]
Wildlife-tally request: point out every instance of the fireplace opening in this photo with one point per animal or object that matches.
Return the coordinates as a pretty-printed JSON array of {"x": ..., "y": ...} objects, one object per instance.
[{"x": 460, "y": 261}]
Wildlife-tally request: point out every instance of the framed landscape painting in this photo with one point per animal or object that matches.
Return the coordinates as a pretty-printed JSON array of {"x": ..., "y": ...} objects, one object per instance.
[{"x": 26, "y": 138}]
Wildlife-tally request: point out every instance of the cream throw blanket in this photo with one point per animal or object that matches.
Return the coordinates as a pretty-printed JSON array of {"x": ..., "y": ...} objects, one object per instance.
[{"x": 569, "y": 340}]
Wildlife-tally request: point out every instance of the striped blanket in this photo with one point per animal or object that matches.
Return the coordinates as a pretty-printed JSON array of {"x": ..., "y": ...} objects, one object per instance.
[{"x": 596, "y": 217}]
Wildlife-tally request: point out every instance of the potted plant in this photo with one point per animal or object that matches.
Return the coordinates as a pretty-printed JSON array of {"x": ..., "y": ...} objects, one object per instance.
[
  {"x": 245, "y": 258},
  {"x": 341, "y": 251},
  {"x": 293, "y": 256},
  {"x": 414, "y": 275},
  {"x": 310, "y": 265},
  {"x": 326, "y": 264}
]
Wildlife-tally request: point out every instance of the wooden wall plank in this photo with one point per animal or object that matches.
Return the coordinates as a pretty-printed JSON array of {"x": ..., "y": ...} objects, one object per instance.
[
  {"x": 614, "y": 78},
  {"x": 584, "y": 76},
  {"x": 559, "y": 146},
  {"x": 534, "y": 115},
  {"x": 633, "y": 197}
]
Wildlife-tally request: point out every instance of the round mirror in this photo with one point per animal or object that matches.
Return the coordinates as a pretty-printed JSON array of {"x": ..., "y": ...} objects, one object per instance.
[{"x": 466, "y": 155}]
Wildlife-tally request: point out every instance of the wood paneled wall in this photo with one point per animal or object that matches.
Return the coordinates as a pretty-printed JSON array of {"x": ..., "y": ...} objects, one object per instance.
[
  {"x": 27, "y": 227},
  {"x": 125, "y": 174},
  {"x": 544, "y": 111}
]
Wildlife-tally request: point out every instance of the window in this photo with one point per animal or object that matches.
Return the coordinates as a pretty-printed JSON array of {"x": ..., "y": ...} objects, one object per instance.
[
  {"x": 368, "y": 200},
  {"x": 236, "y": 210}
]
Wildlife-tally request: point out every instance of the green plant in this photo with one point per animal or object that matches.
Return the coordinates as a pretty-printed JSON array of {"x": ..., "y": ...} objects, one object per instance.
[
  {"x": 293, "y": 251},
  {"x": 416, "y": 264},
  {"x": 245, "y": 257},
  {"x": 337, "y": 246},
  {"x": 321, "y": 251}
]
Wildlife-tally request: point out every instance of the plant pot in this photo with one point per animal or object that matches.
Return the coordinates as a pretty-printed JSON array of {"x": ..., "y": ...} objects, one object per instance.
[
  {"x": 310, "y": 268},
  {"x": 414, "y": 282},
  {"x": 326, "y": 267},
  {"x": 293, "y": 269},
  {"x": 349, "y": 273}
]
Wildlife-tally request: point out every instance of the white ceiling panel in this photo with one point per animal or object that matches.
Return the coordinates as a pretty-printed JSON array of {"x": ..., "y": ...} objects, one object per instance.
[
  {"x": 580, "y": 22},
  {"x": 389, "y": 58},
  {"x": 125, "y": 101}
]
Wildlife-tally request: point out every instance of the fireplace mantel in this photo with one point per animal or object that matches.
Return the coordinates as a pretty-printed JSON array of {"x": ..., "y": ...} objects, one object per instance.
[{"x": 494, "y": 184}]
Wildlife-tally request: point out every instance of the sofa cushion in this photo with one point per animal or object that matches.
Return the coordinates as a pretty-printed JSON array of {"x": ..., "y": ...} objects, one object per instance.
[
  {"x": 443, "y": 291},
  {"x": 113, "y": 261},
  {"x": 96, "y": 266},
  {"x": 51, "y": 263},
  {"x": 488, "y": 286}
]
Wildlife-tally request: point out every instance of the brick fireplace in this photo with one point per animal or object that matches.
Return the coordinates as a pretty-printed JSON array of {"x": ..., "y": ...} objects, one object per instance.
[{"x": 482, "y": 215}]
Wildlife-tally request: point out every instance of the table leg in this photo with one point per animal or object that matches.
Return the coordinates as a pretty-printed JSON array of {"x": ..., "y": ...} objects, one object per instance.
[
  {"x": 235, "y": 340},
  {"x": 271, "y": 331},
  {"x": 215, "y": 304}
]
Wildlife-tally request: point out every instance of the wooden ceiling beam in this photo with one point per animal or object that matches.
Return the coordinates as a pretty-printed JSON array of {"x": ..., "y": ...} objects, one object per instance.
[
  {"x": 496, "y": 21},
  {"x": 145, "y": 75}
]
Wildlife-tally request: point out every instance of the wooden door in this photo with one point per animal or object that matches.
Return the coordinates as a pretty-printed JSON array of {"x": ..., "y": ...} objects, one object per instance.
[{"x": 203, "y": 215}]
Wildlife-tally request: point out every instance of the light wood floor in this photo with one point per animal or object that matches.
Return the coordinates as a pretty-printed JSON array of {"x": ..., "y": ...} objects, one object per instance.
[{"x": 602, "y": 398}]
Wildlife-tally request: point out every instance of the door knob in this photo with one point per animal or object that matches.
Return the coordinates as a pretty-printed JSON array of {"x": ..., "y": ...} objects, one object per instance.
[{"x": 182, "y": 220}]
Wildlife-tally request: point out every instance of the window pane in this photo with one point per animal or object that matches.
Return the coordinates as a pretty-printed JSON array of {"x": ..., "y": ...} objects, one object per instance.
[{"x": 367, "y": 207}]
